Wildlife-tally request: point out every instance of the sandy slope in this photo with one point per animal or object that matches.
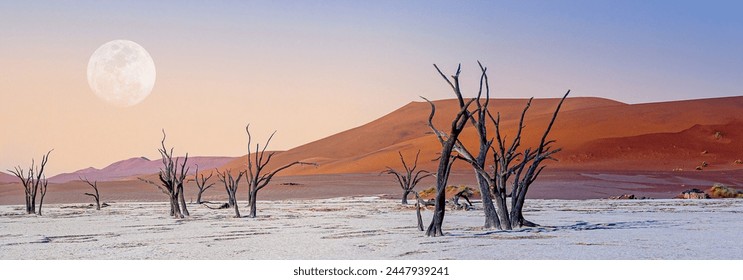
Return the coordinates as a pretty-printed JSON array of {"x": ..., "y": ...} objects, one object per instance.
[
  {"x": 595, "y": 134},
  {"x": 372, "y": 228}
]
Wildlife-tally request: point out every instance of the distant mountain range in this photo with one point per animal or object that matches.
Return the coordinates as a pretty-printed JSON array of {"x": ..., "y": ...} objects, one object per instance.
[
  {"x": 133, "y": 167},
  {"x": 7, "y": 178}
]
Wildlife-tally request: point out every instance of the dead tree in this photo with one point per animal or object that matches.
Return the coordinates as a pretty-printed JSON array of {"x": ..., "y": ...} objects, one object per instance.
[
  {"x": 533, "y": 164},
  {"x": 231, "y": 184},
  {"x": 447, "y": 141},
  {"x": 171, "y": 178},
  {"x": 410, "y": 178},
  {"x": 504, "y": 156},
  {"x": 96, "y": 196},
  {"x": 258, "y": 178},
  {"x": 33, "y": 182},
  {"x": 479, "y": 121},
  {"x": 201, "y": 183}
]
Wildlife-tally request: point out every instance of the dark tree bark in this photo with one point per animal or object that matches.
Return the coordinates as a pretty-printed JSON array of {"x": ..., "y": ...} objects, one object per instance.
[
  {"x": 533, "y": 165},
  {"x": 525, "y": 172},
  {"x": 504, "y": 155},
  {"x": 447, "y": 141},
  {"x": 171, "y": 178},
  {"x": 410, "y": 178},
  {"x": 258, "y": 178},
  {"x": 231, "y": 185},
  {"x": 43, "y": 187},
  {"x": 201, "y": 184},
  {"x": 182, "y": 199},
  {"x": 418, "y": 211},
  {"x": 33, "y": 182},
  {"x": 479, "y": 121},
  {"x": 96, "y": 195}
]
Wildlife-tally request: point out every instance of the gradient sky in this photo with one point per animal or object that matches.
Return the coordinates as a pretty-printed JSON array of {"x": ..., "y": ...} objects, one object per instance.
[{"x": 310, "y": 69}]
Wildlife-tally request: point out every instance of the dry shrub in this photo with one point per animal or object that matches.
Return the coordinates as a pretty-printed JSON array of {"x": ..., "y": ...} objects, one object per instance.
[
  {"x": 470, "y": 192},
  {"x": 722, "y": 191}
]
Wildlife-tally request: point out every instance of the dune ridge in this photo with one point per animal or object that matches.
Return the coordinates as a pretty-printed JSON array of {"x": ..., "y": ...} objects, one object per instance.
[{"x": 590, "y": 130}]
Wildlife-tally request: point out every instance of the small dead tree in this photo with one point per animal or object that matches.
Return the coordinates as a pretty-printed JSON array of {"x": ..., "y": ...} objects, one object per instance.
[
  {"x": 258, "y": 178},
  {"x": 33, "y": 181},
  {"x": 171, "y": 178},
  {"x": 201, "y": 184},
  {"x": 410, "y": 178},
  {"x": 447, "y": 141},
  {"x": 231, "y": 184},
  {"x": 96, "y": 195}
]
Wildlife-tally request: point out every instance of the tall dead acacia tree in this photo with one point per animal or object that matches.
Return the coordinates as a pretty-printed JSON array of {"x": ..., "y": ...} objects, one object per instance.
[
  {"x": 171, "y": 178},
  {"x": 258, "y": 178},
  {"x": 34, "y": 183},
  {"x": 410, "y": 178},
  {"x": 202, "y": 184},
  {"x": 96, "y": 195},
  {"x": 532, "y": 163},
  {"x": 479, "y": 121},
  {"x": 504, "y": 155},
  {"x": 447, "y": 141},
  {"x": 231, "y": 184}
]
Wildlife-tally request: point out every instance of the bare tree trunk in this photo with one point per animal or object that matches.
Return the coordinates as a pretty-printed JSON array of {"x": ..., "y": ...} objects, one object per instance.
[
  {"x": 182, "y": 200},
  {"x": 491, "y": 216},
  {"x": 435, "y": 228},
  {"x": 29, "y": 210},
  {"x": 237, "y": 211},
  {"x": 418, "y": 211},
  {"x": 253, "y": 204},
  {"x": 174, "y": 206},
  {"x": 172, "y": 209},
  {"x": 501, "y": 206},
  {"x": 43, "y": 194},
  {"x": 198, "y": 197},
  {"x": 33, "y": 199},
  {"x": 405, "y": 197}
]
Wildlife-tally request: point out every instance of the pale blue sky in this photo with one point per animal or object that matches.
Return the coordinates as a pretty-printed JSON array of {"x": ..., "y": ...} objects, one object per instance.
[{"x": 280, "y": 64}]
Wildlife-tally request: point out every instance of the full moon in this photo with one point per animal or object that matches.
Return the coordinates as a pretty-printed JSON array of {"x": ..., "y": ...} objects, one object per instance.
[{"x": 121, "y": 72}]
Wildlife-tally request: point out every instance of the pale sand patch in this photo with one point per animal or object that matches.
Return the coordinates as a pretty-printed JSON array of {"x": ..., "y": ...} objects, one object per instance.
[{"x": 374, "y": 228}]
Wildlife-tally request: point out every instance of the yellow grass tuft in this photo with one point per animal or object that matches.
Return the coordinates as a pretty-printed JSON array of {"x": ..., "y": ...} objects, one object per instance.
[{"x": 722, "y": 191}]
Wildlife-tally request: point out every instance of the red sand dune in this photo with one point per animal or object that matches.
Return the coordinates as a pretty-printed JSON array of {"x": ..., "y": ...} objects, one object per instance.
[
  {"x": 594, "y": 133},
  {"x": 609, "y": 148}
]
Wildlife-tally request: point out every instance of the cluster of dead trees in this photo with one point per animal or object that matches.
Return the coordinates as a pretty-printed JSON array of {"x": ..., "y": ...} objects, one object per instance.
[
  {"x": 173, "y": 174},
  {"x": 35, "y": 185},
  {"x": 512, "y": 165},
  {"x": 513, "y": 171}
]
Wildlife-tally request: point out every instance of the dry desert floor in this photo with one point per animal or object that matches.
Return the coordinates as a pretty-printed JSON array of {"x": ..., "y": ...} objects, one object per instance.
[{"x": 371, "y": 227}]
